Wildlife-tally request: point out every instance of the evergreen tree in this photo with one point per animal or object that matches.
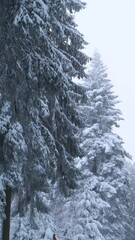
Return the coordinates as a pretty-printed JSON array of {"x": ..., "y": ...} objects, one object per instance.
[
  {"x": 105, "y": 155},
  {"x": 40, "y": 53}
]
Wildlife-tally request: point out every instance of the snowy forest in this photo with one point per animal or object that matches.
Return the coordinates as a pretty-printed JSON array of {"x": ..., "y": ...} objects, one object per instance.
[{"x": 63, "y": 167}]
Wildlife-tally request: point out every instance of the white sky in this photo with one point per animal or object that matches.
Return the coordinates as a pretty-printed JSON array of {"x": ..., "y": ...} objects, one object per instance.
[{"x": 109, "y": 26}]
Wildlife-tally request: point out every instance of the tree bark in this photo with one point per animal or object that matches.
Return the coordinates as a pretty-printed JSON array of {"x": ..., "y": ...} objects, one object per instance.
[{"x": 6, "y": 221}]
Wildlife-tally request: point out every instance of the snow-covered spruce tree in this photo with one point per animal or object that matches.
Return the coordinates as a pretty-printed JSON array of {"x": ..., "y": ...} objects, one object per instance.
[
  {"x": 100, "y": 209},
  {"x": 105, "y": 155},
  {"x": 40, "y": 52}
]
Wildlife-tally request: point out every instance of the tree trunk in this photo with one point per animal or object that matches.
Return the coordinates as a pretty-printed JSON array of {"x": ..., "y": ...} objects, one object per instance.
[{"x": 6, "y": 222}]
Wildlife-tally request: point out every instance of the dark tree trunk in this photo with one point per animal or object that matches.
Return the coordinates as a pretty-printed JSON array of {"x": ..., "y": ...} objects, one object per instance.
[{"x": 6, "y": 222}]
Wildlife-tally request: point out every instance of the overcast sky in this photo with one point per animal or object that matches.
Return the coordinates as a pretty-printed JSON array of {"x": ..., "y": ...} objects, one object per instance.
[{"x": 109, "y": 26}]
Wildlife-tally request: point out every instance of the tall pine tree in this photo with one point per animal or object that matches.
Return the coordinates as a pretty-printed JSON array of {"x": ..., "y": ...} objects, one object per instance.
[
  {"x": 40, "y": 51},
  {"x": 105, "y": 155}
]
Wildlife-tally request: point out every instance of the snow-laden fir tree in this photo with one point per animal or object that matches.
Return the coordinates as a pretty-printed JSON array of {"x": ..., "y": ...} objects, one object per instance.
[
  {"x": 40, "y": 51},
  {"x": 100, "y": 208},
  {"x": 105, "y": 155}
]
